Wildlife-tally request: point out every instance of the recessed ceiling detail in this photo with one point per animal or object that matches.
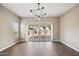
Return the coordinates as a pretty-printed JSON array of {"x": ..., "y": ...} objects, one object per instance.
[{"x": 52, "y": 9}]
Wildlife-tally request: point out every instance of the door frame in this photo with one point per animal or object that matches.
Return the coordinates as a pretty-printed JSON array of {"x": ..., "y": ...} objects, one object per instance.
[{"x": 26, "y": 29}]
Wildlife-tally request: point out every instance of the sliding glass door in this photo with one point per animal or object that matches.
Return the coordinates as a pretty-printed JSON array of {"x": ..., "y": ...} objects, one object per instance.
[{"x": 39, "y": 32}]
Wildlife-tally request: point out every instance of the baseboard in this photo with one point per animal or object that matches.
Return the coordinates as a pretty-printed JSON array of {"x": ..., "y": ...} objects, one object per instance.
[
  {"x": 9, "y": 46},
  {"x": 69, "y": 46},
  {"x": 55, "y": 41}
]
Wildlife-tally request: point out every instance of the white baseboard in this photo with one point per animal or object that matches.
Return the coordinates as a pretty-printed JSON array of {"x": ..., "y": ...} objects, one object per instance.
[
  {"x": 69, "y": 46},
  {"x": 8, "y": 46},
  {"x": 55, "y": 40}
]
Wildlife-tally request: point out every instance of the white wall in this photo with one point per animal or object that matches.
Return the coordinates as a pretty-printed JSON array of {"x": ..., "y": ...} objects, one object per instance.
[
  {"x": 69, "y": 28},
  {"x": 53, "y": 20},
  {"x": 6, "y": 32}
]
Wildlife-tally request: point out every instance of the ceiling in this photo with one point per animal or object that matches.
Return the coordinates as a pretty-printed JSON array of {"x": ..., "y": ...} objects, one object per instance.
[{"x": 51, "y": 9}]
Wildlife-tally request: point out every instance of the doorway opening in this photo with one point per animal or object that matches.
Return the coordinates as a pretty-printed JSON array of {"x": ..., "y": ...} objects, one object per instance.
[{"x": 40, "y": 32}]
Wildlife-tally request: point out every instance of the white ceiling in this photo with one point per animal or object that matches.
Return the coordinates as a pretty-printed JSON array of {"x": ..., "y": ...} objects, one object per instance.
[{"x": 52, "y": 9}]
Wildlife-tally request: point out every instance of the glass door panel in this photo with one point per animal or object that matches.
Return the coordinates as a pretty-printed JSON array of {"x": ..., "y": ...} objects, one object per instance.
[{"x": 39, "y": 33}]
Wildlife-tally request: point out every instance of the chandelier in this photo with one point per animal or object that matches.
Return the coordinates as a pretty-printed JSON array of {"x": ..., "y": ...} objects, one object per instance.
[{"x": 38, "y": 12}]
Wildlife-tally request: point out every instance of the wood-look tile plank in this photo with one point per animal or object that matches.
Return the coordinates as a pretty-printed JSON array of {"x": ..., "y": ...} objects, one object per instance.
[{"x": 39, "y": 49}]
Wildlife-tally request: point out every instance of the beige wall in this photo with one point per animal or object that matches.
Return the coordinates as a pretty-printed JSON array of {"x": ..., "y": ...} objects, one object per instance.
[
  {"x": 6, "y": 32},
  {"x": 54, "y": 21},
  {"x": 69, "y": 28}
]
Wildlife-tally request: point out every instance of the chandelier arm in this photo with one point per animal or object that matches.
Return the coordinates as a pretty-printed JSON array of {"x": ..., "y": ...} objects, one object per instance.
[
  {"x": 34, "y": 9},
  {"x": 41, "y": 12},
  {"x": 42, "y": 15},
  {"x": 33, "y": 13}
]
